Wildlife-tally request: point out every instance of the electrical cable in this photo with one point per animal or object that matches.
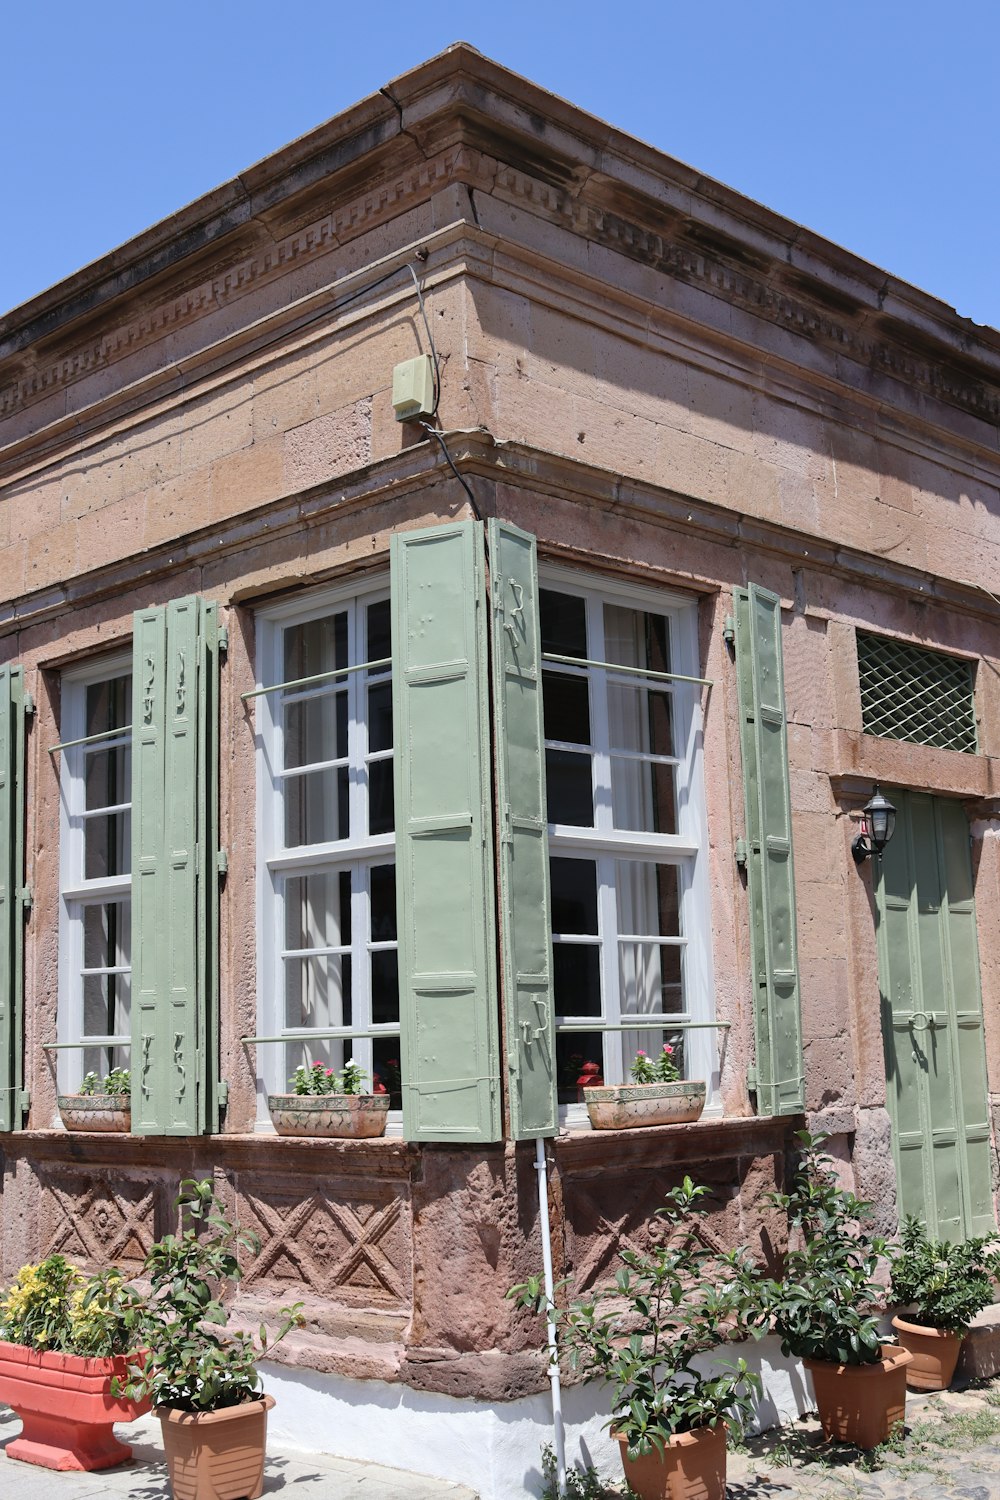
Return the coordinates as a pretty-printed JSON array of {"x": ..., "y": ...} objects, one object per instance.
[{"x": 434, "y": 433}]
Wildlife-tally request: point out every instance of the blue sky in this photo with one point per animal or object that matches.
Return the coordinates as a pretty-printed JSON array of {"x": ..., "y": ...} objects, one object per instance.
[{"x": 871, "y": 121}]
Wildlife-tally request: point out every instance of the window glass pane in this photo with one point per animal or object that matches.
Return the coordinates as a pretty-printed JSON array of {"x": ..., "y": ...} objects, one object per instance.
[
  {"x": 566, "y": 705},
  {"x": 563, "y": 623},
  {"x": 574, "y": 1050},
  {"x": 316, "y": 807},
  {"x": 380, "y": 797},
  {"x": 315, "y": 646},
  {"x": 576, "y": 978},
  {"x": 331, "y": 1053},
  {"x": 318, "y": 910},
  {"x": 643, "y": 798},
  {"x": 106, "y": 1004},
  {"x": 107, "y": 776},
  {"x": 318, "y": 991},
  {"x": 640, "y": 718},
  {"x": 315, "y": 729},
  {"x": 649, "y": 978},
  {"x": 574, "y": 895},
  {"x": 648, "y": 898},
  {"x": 380, "y": 717},
  {"x": 652, "y": 1042},
  {"x": 107, "y": 935},
  {"x": 383, "y": 903},
  {"x": 107, "y": 845},
  {"x": 634, "y": 638},
  {"x": 385, "y": 987},
  {"x": 387, "y": 1068},
  {"x": 569, "y": 788},
  {"x": 109, "y": 705},
  {"x": 379, "y": 625}
]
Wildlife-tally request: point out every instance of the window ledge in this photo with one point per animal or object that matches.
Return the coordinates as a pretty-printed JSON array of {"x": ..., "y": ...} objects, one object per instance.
[{"x": 712, "y": 1137}]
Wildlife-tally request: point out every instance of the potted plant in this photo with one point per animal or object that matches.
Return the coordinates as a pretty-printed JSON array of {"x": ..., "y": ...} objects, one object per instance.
[
  {"x": 202, "y": 1381},
  {"x": 657, "y": 1095},
  {"x": 822, "y": 1307},
  {"x": 944, "y": 1284},
  {"x": 643, "y": 1336},
  {"x": 325, "y": 1102},
  {"x": 100, "y": 1105},
  {"x": 64, "y": 1338}
]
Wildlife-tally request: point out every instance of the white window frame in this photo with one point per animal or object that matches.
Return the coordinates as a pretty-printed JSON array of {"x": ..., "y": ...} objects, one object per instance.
[
  {"x": 76, "y": 892},
  {"x": 687, "y": 850},
  {"x": 357, "y": 854}
]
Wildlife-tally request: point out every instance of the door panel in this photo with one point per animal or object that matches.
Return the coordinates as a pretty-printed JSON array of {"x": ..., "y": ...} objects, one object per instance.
[{"x": 932, "y": 1023}]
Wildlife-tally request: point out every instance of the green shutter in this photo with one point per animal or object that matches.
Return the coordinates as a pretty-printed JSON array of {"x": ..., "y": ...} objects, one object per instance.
[
  {"x": 11, "y": 876},
  {"x": 770, "y": 874},
  {"x": 444, "y": 855},
  {"x": 174, "y": 843},
  {"x": 525, "y": 937}
]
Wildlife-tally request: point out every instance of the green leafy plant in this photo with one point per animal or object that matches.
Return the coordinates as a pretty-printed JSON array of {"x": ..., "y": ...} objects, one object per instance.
[
  {"x": 945, "y": 1283},
  {"x": 822, "y": 1306},
  {"x": 581, "y": 1483},
  {"x": 191, "y": 1364},
  {"x": 54, "y": 1306},
  {"x": 643, "y": 1335},
  {"x": 318, "y": 1079},
  {"x": 659, "y": 1069},
  {"x": 118, "y": 1081}
]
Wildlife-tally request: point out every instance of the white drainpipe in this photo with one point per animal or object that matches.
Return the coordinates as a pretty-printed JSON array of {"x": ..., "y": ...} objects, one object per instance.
[{"x": 543, "y": 1217}]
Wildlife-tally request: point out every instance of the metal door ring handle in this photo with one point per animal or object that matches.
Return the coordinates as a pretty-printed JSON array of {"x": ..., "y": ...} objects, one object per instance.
[{"x": 928, "y": 1021}]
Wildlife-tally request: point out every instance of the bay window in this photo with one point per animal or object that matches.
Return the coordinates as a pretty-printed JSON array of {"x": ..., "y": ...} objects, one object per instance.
[
  {"x": 627, "y": 845},
  {"x": 328, "y": 977},
  {"x": 95, "y": 871}
]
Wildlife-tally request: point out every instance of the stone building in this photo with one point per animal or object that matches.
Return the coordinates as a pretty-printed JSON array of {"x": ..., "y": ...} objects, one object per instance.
[{"x": 737, "y": 486}]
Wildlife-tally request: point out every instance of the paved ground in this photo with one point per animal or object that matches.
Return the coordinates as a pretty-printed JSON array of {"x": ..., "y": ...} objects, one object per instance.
[
  {"x": 295, "y": 1476},
  {"x": 950, "y": 1451}
]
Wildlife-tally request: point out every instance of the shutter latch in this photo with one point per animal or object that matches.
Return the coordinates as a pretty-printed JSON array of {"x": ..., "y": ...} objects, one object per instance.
[
  {"x": 741, "y": 853},
  {"x": 27, "y": 899}
]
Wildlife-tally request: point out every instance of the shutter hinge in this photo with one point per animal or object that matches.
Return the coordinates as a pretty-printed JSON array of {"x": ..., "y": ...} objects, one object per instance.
[
  {"x": 752, "y": 1080},
  {"x": 223, "y": 1095},
  {"x": 25, "y": 1098},
  {"x": 27, "y": 899},
  {"x": 222, "y": 862},
  {"x": 28, "y": 703},
  {"x": 224, "y": 639},
  {"x": 741, "y": 853},
  {"x": 729, "y": 630}
]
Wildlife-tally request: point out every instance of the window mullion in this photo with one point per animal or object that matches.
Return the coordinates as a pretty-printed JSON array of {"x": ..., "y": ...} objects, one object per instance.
[{"x": 607, "y": 927}]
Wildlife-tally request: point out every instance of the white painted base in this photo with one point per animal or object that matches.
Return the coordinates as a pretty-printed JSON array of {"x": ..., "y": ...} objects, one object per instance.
[{"x": 495, "y": 1450}]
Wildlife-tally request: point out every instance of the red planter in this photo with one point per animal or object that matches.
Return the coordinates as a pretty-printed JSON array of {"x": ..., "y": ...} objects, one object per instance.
[{"x": 67, "y": 1408}]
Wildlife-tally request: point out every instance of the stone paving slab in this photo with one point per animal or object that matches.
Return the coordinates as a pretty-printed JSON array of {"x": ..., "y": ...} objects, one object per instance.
[
  {"x": 294, "y": 1476},
  {"x": 950, "y": 1450}
]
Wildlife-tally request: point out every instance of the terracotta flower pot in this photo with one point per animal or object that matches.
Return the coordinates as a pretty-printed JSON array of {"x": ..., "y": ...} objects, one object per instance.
[
  {"x": 861, "y": 1404},
  {"x": 935, "y": 1354},
  {"x": 693, "y": 1467},
  {"x": 622, "y": 1106},
  {"x": 216, "y": 1455},
  {"x": 66, "y": 1407},
  {"x": 102, "y": 1112},
  {"x": 354, "y": 1116}
]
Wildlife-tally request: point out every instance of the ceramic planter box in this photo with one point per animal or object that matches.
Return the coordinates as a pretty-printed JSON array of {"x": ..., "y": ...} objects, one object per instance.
[
  {"x": 67, "y": 1408},
  {"x": 102, "y": 1112},
  {"x": 350, "y": 1116},
  {"x": 861, "y": 1404},
  {"x": 621, "y": 1106},
  {"x": 692, "y": 1467},
  {"x": 216, "y": 1455},
  {"x": 935, "y": 1354}
]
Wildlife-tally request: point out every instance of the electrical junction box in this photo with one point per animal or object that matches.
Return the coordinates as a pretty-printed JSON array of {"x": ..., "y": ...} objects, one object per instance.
[{"x": 413, "y": 389}]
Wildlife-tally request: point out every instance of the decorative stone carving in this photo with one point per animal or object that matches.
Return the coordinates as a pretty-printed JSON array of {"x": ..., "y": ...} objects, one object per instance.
[
  {"x": 97, "y": 1222},
  {"x": 346, "y": 1240}
]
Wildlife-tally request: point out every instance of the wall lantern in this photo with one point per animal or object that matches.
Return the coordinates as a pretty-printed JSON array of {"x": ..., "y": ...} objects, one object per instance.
[{"x": 877, "y": 829}]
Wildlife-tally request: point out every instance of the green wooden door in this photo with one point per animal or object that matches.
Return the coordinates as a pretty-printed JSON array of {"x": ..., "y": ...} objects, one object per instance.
[{"x": 932, "y": 1018}]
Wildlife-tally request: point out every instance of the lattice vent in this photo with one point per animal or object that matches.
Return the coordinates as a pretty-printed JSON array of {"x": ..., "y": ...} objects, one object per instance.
[{"x": 908, "y": 693}]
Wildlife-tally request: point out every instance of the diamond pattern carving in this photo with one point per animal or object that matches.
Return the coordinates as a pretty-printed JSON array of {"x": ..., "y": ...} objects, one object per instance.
[
  {"x": 603, "y": 1218},
  {"x": 356, "y": 1251},
  {"x": 95, "y": 1222}
]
